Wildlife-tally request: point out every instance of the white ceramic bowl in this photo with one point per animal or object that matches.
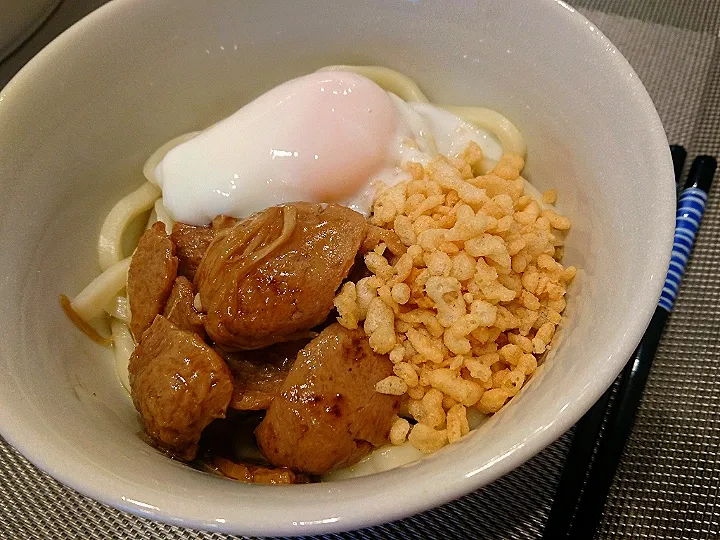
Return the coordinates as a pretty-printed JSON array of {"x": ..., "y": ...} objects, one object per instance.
[{"x": 78, "y": 121}]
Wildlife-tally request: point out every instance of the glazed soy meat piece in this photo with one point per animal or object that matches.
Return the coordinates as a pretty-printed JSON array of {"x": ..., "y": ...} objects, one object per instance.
[
  {"x": 178, "y": 385},
  {"x": 152, "y": 272},
  {"x": 273, "y": 276},
  {"x": 191, "y": 243},
  {"x": 256, "y": 474},
  {"x": 259, "y": 374},
  {"x": 180, "y": 309},
  {"x": 328, "y": 414}
]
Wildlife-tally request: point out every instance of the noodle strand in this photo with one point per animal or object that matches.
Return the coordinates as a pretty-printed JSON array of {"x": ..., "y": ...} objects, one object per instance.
[
  {"x": 93, "y": 299},
  {"x": 162, "y": 214},
  {"x": 510, "y": 137},
  {"x": 389, "y": 79},
  {"x": 78, "y": 321},
  {"x": 158, "y": 155},
  {"x": 119, "y": 308},
  {"x": 127, "y": 209},
  {"x": 123, "y": 345}
]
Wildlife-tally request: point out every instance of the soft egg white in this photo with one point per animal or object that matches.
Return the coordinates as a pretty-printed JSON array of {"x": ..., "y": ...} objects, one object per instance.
[{"x": 325, "y": 137}]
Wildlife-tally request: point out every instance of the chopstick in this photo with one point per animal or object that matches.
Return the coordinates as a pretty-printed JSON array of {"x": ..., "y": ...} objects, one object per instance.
[
  {"x": 587, "y": 432},
  {"x": 620, "y": 412},
  {"x": 585, "y": 439},
  {"x": 679, "y": 154}
]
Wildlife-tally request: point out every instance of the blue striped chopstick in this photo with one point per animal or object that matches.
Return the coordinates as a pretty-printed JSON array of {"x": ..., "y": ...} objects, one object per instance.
[
  {"x": 691, "y": 207},
  {"x": 578, "y": 504}
]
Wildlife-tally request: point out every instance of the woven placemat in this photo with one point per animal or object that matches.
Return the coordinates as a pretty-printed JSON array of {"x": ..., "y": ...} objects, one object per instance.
[{"x": 667, "y": 484}]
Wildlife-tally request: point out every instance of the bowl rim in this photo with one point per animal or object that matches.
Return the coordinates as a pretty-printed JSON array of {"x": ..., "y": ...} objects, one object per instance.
[{"x": 462, "y": 480}]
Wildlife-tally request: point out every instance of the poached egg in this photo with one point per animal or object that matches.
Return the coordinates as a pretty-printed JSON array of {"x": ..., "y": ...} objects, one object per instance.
[{"x": 329, "y": 136}]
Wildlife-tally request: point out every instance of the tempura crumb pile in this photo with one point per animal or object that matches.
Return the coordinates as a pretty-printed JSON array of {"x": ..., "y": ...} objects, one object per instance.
[{"x": 469, "y": 310}]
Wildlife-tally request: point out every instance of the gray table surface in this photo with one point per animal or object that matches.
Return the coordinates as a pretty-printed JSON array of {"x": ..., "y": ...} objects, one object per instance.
[{"x": 668, "y": 482}]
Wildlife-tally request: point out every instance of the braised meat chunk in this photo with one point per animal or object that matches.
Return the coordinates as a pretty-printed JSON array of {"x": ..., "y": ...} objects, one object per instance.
[
  {"x": 179, "y": 385},
  {"x": 191, "y": 243},
  {"x": 259, "y": 374},
  {"x": 150, "y": 278},
  {"x": 274, "y": 275},
  {"x": 328, "y": 414},
  {"x": 180, "y": 309},
  {"x": 257, "y": 474}
]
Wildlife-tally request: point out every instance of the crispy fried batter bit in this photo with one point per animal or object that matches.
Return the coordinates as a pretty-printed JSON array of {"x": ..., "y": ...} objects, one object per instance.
[{"x": 468, "y": 310}]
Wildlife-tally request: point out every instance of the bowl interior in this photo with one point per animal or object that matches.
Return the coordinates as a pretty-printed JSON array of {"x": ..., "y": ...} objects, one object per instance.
[{"x": 77, "y": 124}]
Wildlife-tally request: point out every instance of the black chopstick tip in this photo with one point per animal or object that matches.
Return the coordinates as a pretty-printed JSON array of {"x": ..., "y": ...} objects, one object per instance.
[
  {"x": 679, "y": 154},
  {"x": 701, "y": 173}
]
